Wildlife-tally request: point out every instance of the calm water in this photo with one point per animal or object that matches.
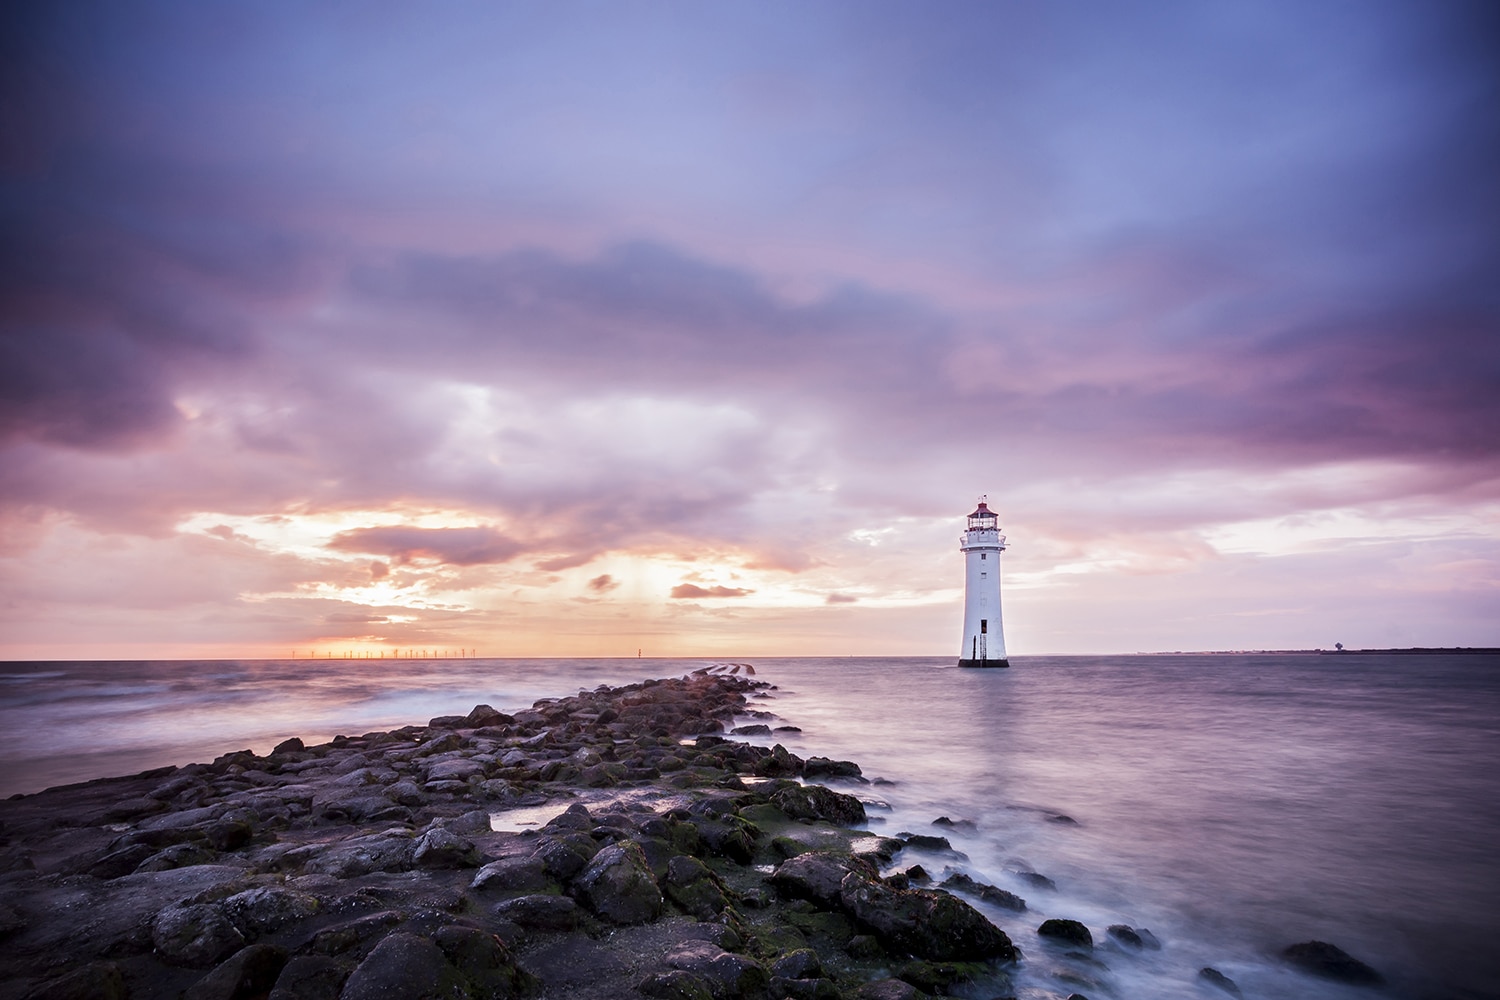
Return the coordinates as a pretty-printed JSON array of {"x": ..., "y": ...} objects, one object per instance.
[{"x": 1232, "y": 805}]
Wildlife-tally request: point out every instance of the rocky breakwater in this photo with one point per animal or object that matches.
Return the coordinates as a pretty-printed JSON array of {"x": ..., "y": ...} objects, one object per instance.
[{"x": 669, "y": 862}]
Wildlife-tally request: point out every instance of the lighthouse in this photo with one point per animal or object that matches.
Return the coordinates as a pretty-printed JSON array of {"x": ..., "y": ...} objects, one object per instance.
[{"x": 984, "y": 633}]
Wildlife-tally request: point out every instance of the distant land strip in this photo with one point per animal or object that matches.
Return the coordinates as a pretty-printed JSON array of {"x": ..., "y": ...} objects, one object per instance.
[{"x": 1417, "y": 651}]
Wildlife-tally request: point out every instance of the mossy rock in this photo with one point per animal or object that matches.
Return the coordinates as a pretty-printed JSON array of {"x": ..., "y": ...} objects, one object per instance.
[{"x": 823, "y": 924}]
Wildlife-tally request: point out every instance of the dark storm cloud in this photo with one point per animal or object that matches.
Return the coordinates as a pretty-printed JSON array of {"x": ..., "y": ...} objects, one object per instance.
[{"x": 452, "y": 546}]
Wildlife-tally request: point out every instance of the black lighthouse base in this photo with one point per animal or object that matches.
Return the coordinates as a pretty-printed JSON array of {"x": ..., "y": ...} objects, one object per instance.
[{"x": 984, "y": 663}]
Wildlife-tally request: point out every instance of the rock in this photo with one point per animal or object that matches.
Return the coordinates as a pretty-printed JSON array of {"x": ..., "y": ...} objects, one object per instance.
[
  {"x": 262, "y": 911},
  {"x": 1125, "y": 935},
  {"x": 484, "y": 961},
  {"x": 824, "y": 767},
  {"x": 198, "y": 935},
  {"x": 759, "y": 729},
  {"x": 678, "y": 984},
  {"x": 512, "y": 874},
  {"x": 925, "y": 841},
  {"x": 406, "y": 793},
  {"x": 925, "y": 923},
  {"x": 693, "y": 887},
  {"x": 1034, "y": 878},
  {"x": 176, "y": 856},
  {"x": 310, "y": 977},
  {"x": 405, "y": 966},
  {"x": 801, "y": 963},
  {"x": 1214, "y": 977},
  {"x": 288, "y": 746},
  {"x": 1331, "y": 962},
  {"x": 1069, "y": 931},
  {"x": 95, "y": 981},
  {"x": 381, "y": 852},
  {"x": 455, "y": 769},
  {"x": 352, "y": 934},
  {"x": 566, "y": 856},
  {"x": 483, "y": 715},
  {"x": 817, "y": 875},
  {"x": 983, "y": 890},
  {"x": 619, "y": 887},
  {"x": 888, "y": 989},
  {"x": 250, "y": 972},
  {"x": 541, "y": 912},
  {"x": 12, "y": 920},
  {"x": 442, "y": 848},
  {"x": 733, "y": 975},
  {"x": 816, "y": 802}
]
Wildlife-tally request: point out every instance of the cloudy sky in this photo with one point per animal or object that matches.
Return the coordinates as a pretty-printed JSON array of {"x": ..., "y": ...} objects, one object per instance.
[{"x": 581, "y": 328}]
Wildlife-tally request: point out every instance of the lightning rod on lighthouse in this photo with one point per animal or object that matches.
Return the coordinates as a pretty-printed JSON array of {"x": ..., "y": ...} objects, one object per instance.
[{"x": 984, "y": 632}]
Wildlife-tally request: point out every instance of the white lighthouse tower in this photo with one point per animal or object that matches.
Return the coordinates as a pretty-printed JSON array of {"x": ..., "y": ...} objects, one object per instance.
[{"x": 984, "y": 632}]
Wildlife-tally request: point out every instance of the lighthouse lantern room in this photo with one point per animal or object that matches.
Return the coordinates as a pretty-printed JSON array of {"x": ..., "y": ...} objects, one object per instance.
[{"x": 984, "y": 633}]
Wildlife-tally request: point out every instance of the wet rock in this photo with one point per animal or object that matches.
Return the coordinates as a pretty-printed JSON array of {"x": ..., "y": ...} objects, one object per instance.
[
  {"x": 566, "y": 856},
  {"x": 541, "y": 912},
  {"x": 266, "y": 910},
  {"x": 483, "y": 715},
  {"x": 442, "y": 848},
  {"x": 888, "y": 989},
  {"x": 678, "y": 984},
  {"x": 816, "y": 802},
  {"x": 382, "y": 852},
  {"x": 878, "y": 849},
  {"x": 993, "y": 895},
  {"x": 310, "y": 977},
  {"x": 728, "y": 974},
  {"x": 514, "y": 874},
  {"x": 288, "y": 746},
  {"x": 619, "y": 887},
  {"x": 95, "y": 981},
  {"x": 195, "y": 934},
  {"x": 177, "y": 856},
  {"x": 758, "y": 729},
  {"x": 405, "y": 966},
  {"x": 801, "y": 963},
  {"x": 925, "y": 841},
  {"x": 483, "y": 961},
  {"x": 1331, "y": 962},
  {"x": 249, "y": 972},
  {"x": 824, "y": 767},
  {"x": 353, "y": 934},
  {"x": 818, "y": 876},
  {"x": 925, "y": 923},
  {"x": 693, "y": 887},
  {"x": 1068, "y": 931},
  {"x": 114, "y": 863},
  {"x": 1033, "y": 878},
  {"x": 455, "y": 769},
  {"x": 1126, "y": 935},
  {"x": 1214, "y": 977}
]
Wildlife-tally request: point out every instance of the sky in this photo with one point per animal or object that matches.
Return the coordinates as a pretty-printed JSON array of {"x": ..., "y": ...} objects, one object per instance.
[{"x": 577, "y": 329}]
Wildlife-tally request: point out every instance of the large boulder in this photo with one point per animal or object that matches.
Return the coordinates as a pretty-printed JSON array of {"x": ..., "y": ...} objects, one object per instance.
[
  {"x": 693, "y": 887},
  {"x": 442, "y": 848},
  {"x": 991, "y": 894},
  {"x": 513, "y": 874},
  {"x": 541, "y": 912},
  {"x": 484, "y": 961},
  {"x": 405, "y": 966},
  {"x": 198, "y": 935},
  {"x": 728, "y": 974},
  {"x": 261, "y": 911},
  {"x": 816, "y": 802},
  {"x": 1331, "y": 962},
  {"x": 249, "y": 972},
  {"x": 1068, "y": 931},
  {"x": 924, "y": 923},
  {"x": 310, "y": 977},
  {"x": 619, "y": 887},
  {"x": 818, "y": 876}
]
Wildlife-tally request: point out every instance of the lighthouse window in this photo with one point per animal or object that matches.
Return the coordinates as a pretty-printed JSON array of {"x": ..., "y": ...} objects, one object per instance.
[
  {"x": 983, "y": 555},
  {"x": 984, "y": 576},
  {"x": 984, "y": 626}
]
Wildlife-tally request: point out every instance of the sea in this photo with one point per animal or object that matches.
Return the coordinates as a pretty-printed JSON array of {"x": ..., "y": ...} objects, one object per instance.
[{"x": 1230, "y": 804}]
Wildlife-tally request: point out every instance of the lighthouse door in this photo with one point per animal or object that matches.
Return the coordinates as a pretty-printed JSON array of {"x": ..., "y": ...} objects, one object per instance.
[{"x": 984, "y": 628}]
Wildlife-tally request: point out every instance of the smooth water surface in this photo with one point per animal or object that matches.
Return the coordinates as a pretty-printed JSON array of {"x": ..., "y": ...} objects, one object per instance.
[{"x": 1231, "y": 804}]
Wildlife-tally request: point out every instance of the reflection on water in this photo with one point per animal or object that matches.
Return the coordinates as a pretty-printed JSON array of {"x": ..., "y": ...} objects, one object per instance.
[{"x": 1233, "y": 805}]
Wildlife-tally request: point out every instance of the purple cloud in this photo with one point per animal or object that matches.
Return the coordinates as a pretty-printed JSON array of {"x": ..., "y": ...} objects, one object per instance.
[{"x": 450, "y": 546}]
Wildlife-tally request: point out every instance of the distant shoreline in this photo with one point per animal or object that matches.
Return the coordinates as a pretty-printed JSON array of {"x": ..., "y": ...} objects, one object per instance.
[{"x": 1409, "y": 651}]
